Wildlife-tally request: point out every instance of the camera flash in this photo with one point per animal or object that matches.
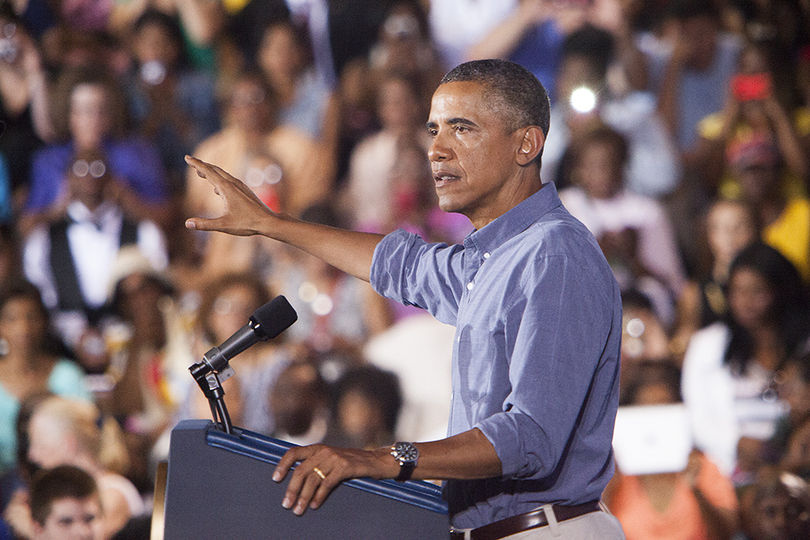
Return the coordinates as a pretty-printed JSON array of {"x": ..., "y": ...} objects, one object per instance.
[{"x": 583, "y": 100}]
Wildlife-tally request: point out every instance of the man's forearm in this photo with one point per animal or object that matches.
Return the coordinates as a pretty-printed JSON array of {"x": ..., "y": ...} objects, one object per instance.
[{"x": 350, "y": 251}]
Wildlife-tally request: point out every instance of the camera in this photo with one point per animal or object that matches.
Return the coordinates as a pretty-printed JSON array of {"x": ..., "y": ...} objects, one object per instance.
[
  {"x": 583, "y": 99},
  {"x": 755, "y": 87}
]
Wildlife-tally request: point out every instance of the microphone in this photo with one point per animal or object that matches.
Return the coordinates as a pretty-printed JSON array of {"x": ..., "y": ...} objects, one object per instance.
[{"x": 266, "y": 323}]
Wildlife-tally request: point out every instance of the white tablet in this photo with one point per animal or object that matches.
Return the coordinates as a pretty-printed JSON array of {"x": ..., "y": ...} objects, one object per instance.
[{"x": 651, "y": 439}]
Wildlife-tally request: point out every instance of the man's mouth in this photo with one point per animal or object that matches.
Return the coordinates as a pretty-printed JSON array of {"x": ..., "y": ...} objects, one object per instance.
[{"x": 442, "y": 178}]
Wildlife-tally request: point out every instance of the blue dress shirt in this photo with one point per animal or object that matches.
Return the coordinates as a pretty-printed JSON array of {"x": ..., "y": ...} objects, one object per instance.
[{"x": 538, "y": 316}]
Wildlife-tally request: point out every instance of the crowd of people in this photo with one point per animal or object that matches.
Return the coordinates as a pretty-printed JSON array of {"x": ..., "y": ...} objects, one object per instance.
[{"x": 680, "y": 136}]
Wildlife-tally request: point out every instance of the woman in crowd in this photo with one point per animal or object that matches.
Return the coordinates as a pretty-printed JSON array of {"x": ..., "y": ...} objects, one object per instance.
[
  {"x": 64, "y": 431},
  {"x": 227, "y": 304},
  {"x": 30, "y": 361},
  {"x": 729, "y": 226},
  {"x": 697, "y": 503},
  {"x": 634, "y": 231},
  {"x": 729, "y": 366}
]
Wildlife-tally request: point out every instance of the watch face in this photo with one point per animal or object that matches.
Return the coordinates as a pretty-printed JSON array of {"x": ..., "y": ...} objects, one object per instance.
[{"x": 405, "y": 452}]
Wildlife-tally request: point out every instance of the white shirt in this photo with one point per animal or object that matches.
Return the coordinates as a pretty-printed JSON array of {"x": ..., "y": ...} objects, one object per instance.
[
  {"x": 94, "y": 239},
  {"x": 657, "y": 248},
  {"x": 653, "y": 167},
  {"x": 457, "y": 25}
]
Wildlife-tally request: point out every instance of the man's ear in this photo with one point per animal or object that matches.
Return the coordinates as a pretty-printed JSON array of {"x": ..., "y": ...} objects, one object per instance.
[{"x": 531, "y": 145}]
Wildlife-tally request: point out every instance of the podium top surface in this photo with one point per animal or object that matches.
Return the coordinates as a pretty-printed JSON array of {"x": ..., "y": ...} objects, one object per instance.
[{"x": 246, "y": 443}]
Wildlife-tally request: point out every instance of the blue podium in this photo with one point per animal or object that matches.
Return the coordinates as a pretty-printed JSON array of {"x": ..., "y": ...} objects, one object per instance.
[{"x": 219, "y": 486}]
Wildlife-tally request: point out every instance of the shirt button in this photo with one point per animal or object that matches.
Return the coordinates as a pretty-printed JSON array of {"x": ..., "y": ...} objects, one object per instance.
[
  {"x": 470, "y": 286},
  {"x": 486, "y": 255}
]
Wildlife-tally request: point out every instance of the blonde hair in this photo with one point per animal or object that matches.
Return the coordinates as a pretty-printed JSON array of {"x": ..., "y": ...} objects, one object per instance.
[{"x": 98, "y": 435}]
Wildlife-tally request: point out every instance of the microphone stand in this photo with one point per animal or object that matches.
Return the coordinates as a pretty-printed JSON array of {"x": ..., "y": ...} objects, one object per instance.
[{"x": 208, "y": 381}]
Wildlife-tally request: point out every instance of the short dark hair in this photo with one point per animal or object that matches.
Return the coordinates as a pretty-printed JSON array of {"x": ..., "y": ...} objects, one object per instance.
[
  {"x": 61, "y": 482},
  {"x": 523, "y": 97},
  {"x": 378, "y": 386},
  {"x": 604, "y": 135}
]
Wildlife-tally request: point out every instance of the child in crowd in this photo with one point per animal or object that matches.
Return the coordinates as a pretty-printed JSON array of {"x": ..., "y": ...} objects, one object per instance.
[{"x": 65, "y": 505}]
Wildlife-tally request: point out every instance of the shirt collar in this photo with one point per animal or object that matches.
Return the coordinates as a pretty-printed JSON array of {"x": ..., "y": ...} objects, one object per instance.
[
  {"x": 514, "y": 221},
  {"x": 79, "y": 213}
]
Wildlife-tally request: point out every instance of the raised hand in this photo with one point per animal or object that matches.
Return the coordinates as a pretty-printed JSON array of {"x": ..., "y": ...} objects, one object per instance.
[{"x": 245, "y": 214}]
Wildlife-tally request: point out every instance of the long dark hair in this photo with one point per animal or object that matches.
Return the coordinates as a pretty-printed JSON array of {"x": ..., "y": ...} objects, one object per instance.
[
  {"x": 789, "y": 308},
  {"x": 22, "y": 289}
]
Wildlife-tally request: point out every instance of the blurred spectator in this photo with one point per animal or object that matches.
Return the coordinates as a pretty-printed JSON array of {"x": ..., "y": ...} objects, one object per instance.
[
  {"x": 790, "y": 445},
  {"x": 227, "y": 304},
  {"x": 403, "y": 47},
  {"x": 305, "y": 101},
  {"x": 65, "y": 505},
  {"x": 533, "y": 37},
  {"x": 70, "y": 259},
  {"x": 418, "y": 350},
  {"x": 172, "y": 104},
  {"x": 585, "y": 99},
  {"x": 145, "y": 385},
  {"x": 299, "y": 404},
  {"x": 634, "y": 231},
  {"x": 89, "y": 114},
  {"x": 729, "y": 367},
  {"x": 365, "y": 408},
  {"x": 251, "y": 131},
  {"x": 696, "y": 503},
  {"x": 776, "y": 507},
  {"x": 754, "y": 109},
  {"x": 644, "y": 340},
  {"x": 690, "y": 70},
  {"x": 23, "y": 102},
  {"x": 728, "y": 227},
  {"x": 201, "y": 22},
  {"x": 30, "y": 360},
  {"x": 68, "y": 432},
  {"x": 785, "y": 218},
  {"x": 457, "y": 25},
  {"x": 369, "y": 191}
]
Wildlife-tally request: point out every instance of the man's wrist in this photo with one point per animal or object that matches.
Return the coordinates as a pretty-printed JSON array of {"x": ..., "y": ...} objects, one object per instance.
[{"x": 406, "y": 455}]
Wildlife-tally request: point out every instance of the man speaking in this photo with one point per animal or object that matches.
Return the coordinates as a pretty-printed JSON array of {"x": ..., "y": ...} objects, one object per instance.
[{"x": 537, "y": 315}]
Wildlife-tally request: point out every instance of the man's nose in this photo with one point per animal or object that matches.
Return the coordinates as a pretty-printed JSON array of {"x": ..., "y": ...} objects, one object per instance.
[{"x": 438, "y": 151}]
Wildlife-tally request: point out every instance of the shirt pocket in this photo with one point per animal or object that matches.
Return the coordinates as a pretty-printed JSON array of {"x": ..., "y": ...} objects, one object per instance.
[{"x": 475, "y": 364}]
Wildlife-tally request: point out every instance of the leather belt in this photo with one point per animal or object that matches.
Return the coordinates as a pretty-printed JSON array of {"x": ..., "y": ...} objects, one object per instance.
[{"x": 523, "y": 522}]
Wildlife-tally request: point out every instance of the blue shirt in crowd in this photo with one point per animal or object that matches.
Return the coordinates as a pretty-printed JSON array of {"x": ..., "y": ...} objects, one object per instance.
[
  {"x": 133, "y": 160},
  {"x": 538, "y": 316}
]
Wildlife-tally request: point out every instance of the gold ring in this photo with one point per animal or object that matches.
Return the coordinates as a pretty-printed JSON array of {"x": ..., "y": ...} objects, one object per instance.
[{"x": 319, "y": 472}]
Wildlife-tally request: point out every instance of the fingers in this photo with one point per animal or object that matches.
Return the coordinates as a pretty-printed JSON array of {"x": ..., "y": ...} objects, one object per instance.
[
  {"x": 202, "y": 224},
  {"x": 313, "y": 479}
]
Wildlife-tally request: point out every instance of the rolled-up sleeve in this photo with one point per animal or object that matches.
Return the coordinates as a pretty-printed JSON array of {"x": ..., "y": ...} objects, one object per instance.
[{"x": 407, "y": 269}]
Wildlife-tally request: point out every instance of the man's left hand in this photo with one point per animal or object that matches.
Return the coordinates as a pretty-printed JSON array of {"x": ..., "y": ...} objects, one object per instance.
[{"x": 321, "y": 468}]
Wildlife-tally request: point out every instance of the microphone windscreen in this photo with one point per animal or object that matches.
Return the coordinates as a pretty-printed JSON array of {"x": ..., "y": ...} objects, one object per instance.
[{"x": 274, "y": 317}]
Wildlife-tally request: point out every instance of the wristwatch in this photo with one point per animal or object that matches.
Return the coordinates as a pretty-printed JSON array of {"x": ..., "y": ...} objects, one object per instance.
[{"x": 406, "y": 455}]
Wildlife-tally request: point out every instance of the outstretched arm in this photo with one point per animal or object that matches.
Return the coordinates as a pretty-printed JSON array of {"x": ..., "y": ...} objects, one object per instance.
[{"x": 246, "y": 215}]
